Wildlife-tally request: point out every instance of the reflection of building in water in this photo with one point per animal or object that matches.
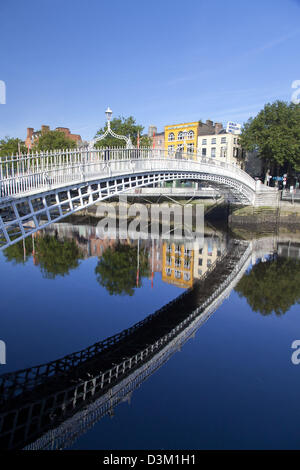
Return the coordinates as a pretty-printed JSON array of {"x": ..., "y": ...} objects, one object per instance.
[
  {"x": 155, "y": 256},
  {"x": 183, "y": 264},
  {"x": 177, "y": 264},
  {"x": 97, "y": 246},
  {"x": 205, "y": 256},
  {"x": 180, "y": 265}
]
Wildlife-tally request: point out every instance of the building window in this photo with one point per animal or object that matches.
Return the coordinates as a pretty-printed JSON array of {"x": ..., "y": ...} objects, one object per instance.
[
  {"x": 180, "y": 135},
  {"x": 187, "y": 264},
  {"x": 177, "y": 274},
  {"x": 213, "y": 141},
  {"x": 190, "y": 148},
  {"x": 168, "y": 271},
  {"x": 208, "y": 262},
  {"x": 180, "y": 147},
  {"x": 191, "y": 135},
  {"x": 223, "y": 151},
  {"x": 200, "y": 272},
  {"x": 186, "y": 276},
  {"x": 204, "y": 152},
  {"x": 204, "y": 141},
  {"x": 223, "y": 140},
  {"x": 200, "y": 261},
  {"x": 171, "y": 149},
  {"x": 213, "y": 152},
  {"x": 171, "y": 136}
]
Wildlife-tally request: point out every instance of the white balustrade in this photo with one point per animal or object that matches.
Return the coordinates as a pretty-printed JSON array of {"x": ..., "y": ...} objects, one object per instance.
[{"x": 26, "y": 174}]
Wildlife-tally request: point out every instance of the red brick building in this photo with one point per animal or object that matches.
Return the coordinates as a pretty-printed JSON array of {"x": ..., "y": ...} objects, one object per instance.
[{"x": 33, "y": 136}]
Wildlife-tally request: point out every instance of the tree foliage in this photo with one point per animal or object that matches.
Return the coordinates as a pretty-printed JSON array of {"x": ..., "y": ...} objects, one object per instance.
[
  {"x": 53, "y": 140},
  {"x": 275, "y": 134},
  {"x": 126, "y": 127},
  {"x": 117, "y": 269},
  {"x": 272, "y": 286},
  {"x": 20, "y": 252},
  {"x": 11, "y": 146},
  {"x": 54, "y": 257},
  {"x": 57, "y": 257}
]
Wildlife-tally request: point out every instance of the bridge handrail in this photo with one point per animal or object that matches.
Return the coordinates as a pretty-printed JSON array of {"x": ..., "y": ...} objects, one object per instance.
[
  {"x": 24, "y": 174},
  {"x": 83, "y": 388},
  {"x": 23, "y": 379}
]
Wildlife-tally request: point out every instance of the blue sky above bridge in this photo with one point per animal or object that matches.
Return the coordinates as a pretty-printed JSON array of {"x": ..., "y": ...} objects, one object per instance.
[{"x": 65, "y": 61}]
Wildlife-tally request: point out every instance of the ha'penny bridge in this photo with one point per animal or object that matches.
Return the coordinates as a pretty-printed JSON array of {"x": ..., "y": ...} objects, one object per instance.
[
  {"x": 39, "y": 189},
  {"x": 50, "y": 405}
]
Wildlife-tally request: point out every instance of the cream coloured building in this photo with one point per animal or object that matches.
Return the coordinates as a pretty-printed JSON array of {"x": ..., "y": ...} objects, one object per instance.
[
  {"x": 205, "y": 256},
  {"x": 222, "y": 145}
]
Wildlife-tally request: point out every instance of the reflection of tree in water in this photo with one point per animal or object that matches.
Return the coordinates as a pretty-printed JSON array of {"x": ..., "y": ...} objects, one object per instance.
[
  {"x": 272, "y": 286},
  {"x": 55, "y": 257},
  {"x": 117, "y": 269},
  {"x": 20, "y": 252}
]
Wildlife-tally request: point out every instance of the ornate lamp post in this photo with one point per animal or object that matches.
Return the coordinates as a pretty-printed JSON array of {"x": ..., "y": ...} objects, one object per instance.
[{"x": 108, "y": 131}]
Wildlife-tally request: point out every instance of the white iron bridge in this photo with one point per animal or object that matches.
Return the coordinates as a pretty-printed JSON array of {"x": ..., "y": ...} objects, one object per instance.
[{"x": 41, "y": 188}]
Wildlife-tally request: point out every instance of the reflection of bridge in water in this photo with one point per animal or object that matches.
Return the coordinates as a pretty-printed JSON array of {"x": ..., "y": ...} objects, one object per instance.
[
  {"x": 37, "y": 190},
  {"x": 50, "y": 405}
]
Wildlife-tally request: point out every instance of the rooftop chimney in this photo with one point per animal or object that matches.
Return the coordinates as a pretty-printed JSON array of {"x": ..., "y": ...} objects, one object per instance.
[
  {"x": 29, "y": 132},
  {"x": 45, "y": 128}
]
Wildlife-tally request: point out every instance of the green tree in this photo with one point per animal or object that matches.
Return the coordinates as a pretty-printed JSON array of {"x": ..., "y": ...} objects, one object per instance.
[
  {"x": 20, "y": 252},
  {"x": 53, "y": 140},
  {"x": 117, "y": 269},
  {"x": 275, "y": 134},
  {"x": 54, "y": 257},
  {"x": 272, "y": 286},
  {"x": 57, "y": 257},
  {"x": 126, "y": 127},
  {"x": 10, "y": 146}
]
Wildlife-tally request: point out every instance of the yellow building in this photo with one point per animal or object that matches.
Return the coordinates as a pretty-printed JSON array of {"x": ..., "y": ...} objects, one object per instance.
[
  {"x": 181, "y": 138},
  {"x": 177, "y": 265}
]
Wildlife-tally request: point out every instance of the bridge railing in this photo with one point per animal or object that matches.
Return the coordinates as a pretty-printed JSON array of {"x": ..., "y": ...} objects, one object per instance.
[
  {"x": 22, "y": 174},
  {"x": 66, "y": 400},
  {"x": 22, "y": 380}
]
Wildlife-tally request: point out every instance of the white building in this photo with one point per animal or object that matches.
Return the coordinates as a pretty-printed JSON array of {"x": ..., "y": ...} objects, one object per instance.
[{"x": 222, "y": 145}]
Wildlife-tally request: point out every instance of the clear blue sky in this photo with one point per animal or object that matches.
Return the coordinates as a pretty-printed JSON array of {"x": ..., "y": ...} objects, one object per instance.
[{"x": 65, "y": 61}]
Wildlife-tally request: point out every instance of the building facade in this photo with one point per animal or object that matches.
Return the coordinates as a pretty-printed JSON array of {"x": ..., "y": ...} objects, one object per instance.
[
  {"x": 158, "y": 141},
  {"x": 222, "y": 145},
  {"x": 33, "y": 136},
  {"x": 207, "y": 139},
  {"x": 181, "y": 138},
  {"x": 177, "y": 265}
]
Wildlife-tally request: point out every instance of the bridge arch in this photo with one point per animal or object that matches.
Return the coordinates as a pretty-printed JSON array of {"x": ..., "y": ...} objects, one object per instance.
[{"x": 54, "y": 185}]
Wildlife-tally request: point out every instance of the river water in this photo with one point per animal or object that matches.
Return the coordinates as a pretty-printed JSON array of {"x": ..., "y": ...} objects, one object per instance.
[{"x": 231, "y": 384}]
